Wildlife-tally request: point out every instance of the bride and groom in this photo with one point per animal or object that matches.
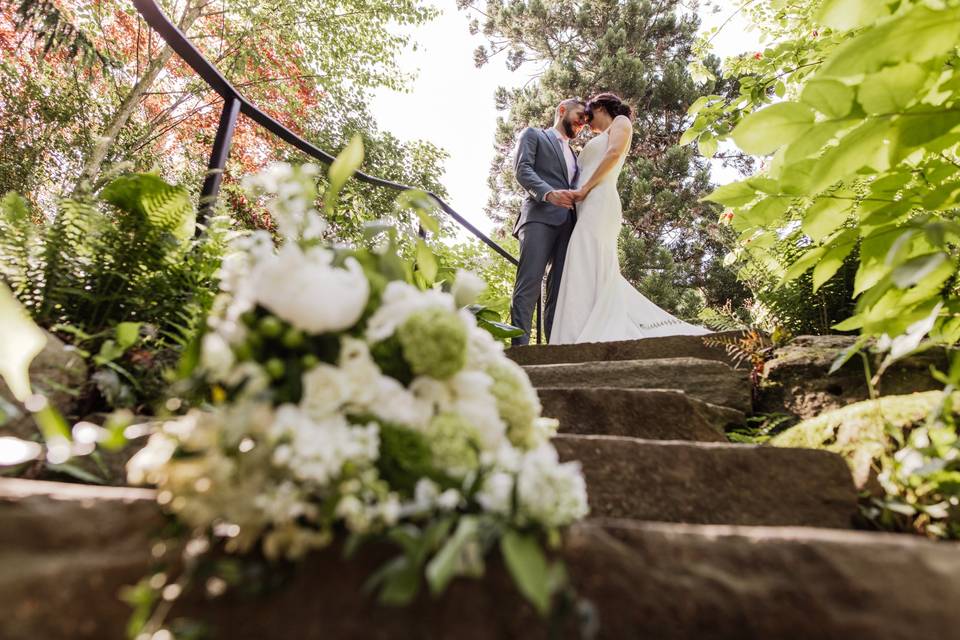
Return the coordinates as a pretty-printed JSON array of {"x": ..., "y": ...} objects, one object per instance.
[{"x": 570, "y": 221}]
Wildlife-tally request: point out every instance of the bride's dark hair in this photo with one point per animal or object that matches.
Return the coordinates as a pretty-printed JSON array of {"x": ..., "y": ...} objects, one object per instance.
[{"x": 611, "y": 103}]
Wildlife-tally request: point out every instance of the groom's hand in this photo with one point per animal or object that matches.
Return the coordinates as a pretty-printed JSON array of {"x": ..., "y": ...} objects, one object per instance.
[{"x": 561, "y": 198}]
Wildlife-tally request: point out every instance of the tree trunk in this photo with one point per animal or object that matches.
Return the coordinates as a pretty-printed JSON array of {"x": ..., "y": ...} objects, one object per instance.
[{"x": 93, "y": 164}]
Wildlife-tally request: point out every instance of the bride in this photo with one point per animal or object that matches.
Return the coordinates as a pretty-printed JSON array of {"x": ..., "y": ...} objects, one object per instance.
[{"x": 596, "y": 303}]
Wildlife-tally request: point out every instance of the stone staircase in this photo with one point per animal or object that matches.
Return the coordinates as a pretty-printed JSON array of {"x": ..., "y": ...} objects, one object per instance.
[{"x": 689, "y": 536}]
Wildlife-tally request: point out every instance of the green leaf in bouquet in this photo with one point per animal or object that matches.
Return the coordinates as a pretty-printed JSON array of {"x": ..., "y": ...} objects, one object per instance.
[
  {"x": 499, "y": 330},
  {"x": 423, "y": 205},
  {"x": 535, "y": 578},
  {"x": 763, "y": 132},
  {"x": 341, "y": 169},
  {"x": 427, "y": 264},
  {"x": 76, "y": 472},
  {"x": 21, "y": 340},
  {"x": 459, "y": 556}
]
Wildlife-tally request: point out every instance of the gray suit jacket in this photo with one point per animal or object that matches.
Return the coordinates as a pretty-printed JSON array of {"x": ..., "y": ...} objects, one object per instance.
[{"x": 540, "y": 168}]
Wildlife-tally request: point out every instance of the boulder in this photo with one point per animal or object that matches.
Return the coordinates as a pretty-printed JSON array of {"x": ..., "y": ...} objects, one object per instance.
[
  {"x": 58, "y": 372},
  {"x": 707, "y": 380},
  {"x": 710, "y": 483},
  {"x": 652, "y": 414},
  {"x": 797, "y": 380}
]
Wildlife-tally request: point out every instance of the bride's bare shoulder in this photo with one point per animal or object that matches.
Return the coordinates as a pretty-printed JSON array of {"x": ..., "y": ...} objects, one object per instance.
[{"x": 622, "y": 122}]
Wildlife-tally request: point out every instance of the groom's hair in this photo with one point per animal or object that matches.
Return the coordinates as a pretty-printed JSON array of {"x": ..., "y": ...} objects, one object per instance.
[
  {"x": 570, "y": 103},
  {"x": 611, "y": 103}
]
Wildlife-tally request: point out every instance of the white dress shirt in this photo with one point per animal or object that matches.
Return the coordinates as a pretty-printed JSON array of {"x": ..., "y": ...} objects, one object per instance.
[{"x": 567, "y": 153}]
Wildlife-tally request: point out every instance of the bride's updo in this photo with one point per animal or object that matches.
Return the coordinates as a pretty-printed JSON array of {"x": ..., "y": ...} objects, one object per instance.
[{"x": 611, "y": 103}]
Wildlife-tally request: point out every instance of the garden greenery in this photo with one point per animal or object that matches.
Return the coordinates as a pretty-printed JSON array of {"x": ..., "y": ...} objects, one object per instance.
[
  {"x": 856, "y": 103},
  {"x": 864, "y": 146}
]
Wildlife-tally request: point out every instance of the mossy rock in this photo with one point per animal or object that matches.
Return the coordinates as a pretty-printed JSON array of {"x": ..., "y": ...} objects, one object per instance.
[{"x": 863, "y": 432}]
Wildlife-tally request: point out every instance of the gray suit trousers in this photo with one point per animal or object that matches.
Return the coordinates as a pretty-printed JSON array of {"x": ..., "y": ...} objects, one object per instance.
[{"x": 542, "y": 246}]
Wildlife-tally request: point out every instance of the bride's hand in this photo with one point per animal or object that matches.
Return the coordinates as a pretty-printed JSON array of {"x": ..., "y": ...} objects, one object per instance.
[{"x": 580, "y": 194}]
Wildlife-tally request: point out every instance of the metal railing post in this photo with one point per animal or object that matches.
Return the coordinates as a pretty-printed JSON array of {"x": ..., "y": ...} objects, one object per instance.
[{"x": 218, "y": 157}]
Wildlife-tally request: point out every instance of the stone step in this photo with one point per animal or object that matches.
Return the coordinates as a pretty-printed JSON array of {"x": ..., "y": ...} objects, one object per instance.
[
  {"x": 646, "y": 349},
  {"x": 707, "y": 380},
  {"x": 652, "y": 414},
  {"x": 711, "y": 483},
  {"x": 65, "y": 552}
]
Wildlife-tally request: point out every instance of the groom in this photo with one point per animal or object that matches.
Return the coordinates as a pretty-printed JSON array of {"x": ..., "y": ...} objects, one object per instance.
[{"x": 546, "y": 168}]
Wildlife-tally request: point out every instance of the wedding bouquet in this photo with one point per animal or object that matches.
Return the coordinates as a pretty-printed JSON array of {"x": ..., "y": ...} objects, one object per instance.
[{"x": 342, "y": 400}]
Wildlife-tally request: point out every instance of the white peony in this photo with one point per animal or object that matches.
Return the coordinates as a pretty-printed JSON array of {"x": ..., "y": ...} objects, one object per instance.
[
  {"x": 548, "y": 492},
  {"x": 400, "y": 300},
  {"x": 467, "y": 287},
  {"x": 304, "y": 289}
]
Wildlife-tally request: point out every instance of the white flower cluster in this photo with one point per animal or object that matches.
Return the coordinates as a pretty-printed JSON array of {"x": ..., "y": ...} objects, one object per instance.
[{"x": 346, "y": 405}]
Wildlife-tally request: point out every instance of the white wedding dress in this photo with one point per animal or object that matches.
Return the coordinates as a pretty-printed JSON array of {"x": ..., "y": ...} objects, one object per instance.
[{"x": 596, "y": 303}]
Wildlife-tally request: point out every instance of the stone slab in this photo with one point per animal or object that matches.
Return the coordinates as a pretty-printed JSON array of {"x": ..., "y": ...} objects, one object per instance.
[
  {"x": 707, "y": 380},
  {"x": 645, "y": 349},
  {"x": 710, "y": 483},
  {"x": 59, "y": 576},
  {"x": 652, "y": 414}
]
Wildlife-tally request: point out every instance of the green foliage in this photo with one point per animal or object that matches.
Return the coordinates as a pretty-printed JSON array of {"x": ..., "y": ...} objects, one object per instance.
[
  {"x": 129, "y": 257},
  {"x": 910, "y": 443},
  {"x": 865, "y": 159}
]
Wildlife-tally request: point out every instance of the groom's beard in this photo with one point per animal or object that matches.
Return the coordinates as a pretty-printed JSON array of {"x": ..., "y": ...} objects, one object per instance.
[{"x": 568, "y": 129}]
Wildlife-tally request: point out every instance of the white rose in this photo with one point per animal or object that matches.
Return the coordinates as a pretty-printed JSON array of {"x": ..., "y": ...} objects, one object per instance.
[
  {"x": 467, "y": 287},
  {"x": 308, "y": 292}
]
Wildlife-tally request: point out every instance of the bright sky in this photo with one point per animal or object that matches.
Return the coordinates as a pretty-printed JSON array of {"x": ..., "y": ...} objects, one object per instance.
[{"x": 459, "y": 99}]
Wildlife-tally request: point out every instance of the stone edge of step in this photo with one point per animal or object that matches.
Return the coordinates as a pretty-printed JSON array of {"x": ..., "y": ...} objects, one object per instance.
[
  {"x": 731, "y": 415},
  {"x": 15, "y": 489},
  {"x": 656, "y": 347}
]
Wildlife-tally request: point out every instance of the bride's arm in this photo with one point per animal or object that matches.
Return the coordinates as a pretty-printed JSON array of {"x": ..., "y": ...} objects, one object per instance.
[{"x": 619, "y": 135}]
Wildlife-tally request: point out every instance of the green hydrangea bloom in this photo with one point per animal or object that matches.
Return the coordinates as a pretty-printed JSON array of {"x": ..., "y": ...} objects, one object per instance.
[
  {"x": 517, "y": 403},
  {"x": 434, "y": 343},
  {"x": 453, "y": 444}
]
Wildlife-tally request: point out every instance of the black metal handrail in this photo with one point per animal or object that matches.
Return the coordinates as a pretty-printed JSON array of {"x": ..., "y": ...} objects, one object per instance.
[{"x": 234, "y": 103}]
